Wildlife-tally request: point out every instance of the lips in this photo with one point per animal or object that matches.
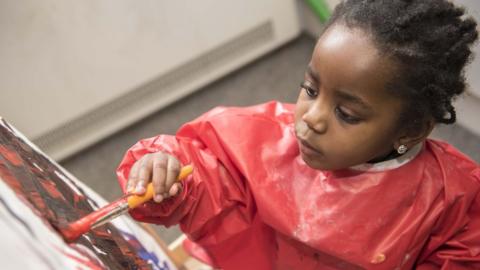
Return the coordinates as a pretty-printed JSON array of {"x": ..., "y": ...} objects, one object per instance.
[
  {"x": 307, "y": 148},
  {"x": 301, "y": 131}
]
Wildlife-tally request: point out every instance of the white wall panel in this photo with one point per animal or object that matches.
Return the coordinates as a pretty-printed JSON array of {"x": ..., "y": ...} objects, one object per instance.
[{"x": 61, "y": 59}]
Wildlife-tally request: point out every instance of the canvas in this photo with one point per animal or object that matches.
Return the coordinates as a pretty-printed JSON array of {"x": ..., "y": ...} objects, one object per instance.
[{"x": 36, "y": 194}]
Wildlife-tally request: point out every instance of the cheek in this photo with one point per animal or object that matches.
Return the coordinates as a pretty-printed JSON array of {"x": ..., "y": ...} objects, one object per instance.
[
  {"x": 301, "y": 108},
  {"x": 366, "y": 143},
  {"x": 352, "y": 145}
]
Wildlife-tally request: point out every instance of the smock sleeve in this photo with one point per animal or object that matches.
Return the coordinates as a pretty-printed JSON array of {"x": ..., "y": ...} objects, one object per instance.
[
  {"x": 457, "y": 244},
  {"x": 215, "y": 202}
]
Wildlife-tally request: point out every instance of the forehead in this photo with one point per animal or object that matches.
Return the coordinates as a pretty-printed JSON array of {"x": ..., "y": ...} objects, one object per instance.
[{"x": 348, "y": 59}]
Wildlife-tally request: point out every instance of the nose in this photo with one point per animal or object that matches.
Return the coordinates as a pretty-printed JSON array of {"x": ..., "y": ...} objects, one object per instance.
[{"x": 316, "y": 117}]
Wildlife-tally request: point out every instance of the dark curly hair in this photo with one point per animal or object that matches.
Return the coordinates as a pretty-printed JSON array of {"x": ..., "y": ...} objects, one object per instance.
[{"x": 430, "y": 40}]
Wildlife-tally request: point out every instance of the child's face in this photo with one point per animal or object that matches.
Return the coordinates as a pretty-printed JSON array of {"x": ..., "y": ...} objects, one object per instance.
[{"x": 344, "y": 115}]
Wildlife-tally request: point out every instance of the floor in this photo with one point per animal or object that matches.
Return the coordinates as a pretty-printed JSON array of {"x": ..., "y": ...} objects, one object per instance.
[{"x": 276, "y": 76}]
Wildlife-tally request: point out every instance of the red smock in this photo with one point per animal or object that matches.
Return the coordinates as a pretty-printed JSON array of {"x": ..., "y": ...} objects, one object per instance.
[{"x": 252, "y": 202}]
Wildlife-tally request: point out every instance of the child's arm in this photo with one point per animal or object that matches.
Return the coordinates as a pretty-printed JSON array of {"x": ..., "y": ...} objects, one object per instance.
[
  {"x": 215, "y": 202},
  {"x": 213, "y": 198}
]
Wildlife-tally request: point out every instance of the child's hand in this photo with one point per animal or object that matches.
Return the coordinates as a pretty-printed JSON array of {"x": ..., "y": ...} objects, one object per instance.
[{"x": 159, "y": 168}]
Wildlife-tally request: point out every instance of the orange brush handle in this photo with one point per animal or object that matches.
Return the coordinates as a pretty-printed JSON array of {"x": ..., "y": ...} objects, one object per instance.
[{"x": 136, "y": 200}]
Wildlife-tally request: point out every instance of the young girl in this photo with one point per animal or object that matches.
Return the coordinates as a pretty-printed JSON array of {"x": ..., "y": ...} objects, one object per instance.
[{"x": 346, "y": 178}]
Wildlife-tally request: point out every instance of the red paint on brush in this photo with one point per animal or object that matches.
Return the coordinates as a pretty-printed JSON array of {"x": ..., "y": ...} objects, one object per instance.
[{"x": 75, "y": 229}]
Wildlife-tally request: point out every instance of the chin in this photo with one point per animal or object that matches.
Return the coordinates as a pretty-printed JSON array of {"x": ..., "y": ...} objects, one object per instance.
[
  {"x": 315, "y": 164},
  {"x": 322, "y": 165}
]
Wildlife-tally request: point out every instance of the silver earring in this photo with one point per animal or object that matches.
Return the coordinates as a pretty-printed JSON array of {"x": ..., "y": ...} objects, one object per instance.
[{"x": 402, "y": 149}]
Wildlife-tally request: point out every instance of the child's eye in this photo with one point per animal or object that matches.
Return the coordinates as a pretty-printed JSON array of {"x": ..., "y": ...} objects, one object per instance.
[
  {"x": 347, "y": 118},
  {"x": 311, "y": 91}
]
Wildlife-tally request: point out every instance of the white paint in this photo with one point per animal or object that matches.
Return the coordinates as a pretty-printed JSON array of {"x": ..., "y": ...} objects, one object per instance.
[{"x": 38, "y": 167}]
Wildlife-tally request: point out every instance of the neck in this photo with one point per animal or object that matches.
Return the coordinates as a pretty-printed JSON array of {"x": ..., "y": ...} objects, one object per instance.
[{"x": 391, "y": 155}]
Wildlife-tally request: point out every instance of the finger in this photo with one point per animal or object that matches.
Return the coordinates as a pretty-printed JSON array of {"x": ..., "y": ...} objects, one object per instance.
[
  {"x": 144, "y": 174},
  {"x": 159, "y": 175},
  {"x": 175, "y": 189},
  {"x": 132, "y": 177},
  {"x": 173, "y": 169}
]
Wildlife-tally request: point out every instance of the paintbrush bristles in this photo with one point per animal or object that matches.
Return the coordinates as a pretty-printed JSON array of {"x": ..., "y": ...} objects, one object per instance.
[{"x": 72, "y": 231}]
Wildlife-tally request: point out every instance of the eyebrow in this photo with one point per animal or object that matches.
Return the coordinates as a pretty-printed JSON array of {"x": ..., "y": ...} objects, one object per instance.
[{"x": 313, "y": 74}]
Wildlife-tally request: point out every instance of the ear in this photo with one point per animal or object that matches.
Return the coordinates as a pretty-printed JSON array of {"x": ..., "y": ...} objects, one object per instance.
[{"x": 412, "y": 137}]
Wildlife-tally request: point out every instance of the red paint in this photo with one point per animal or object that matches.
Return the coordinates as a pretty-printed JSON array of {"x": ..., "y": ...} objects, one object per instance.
[
  {"x": 52, "y": 189},
  {"x": 75, "y": 229},
  {"x": 11, "y": 156},
  {"x": 39, "y": 182},
  {"x": 90, "y": 263}
]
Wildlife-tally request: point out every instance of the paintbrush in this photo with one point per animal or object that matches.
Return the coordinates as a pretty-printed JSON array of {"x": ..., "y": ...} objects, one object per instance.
[{"x": 74, "y": 230}]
